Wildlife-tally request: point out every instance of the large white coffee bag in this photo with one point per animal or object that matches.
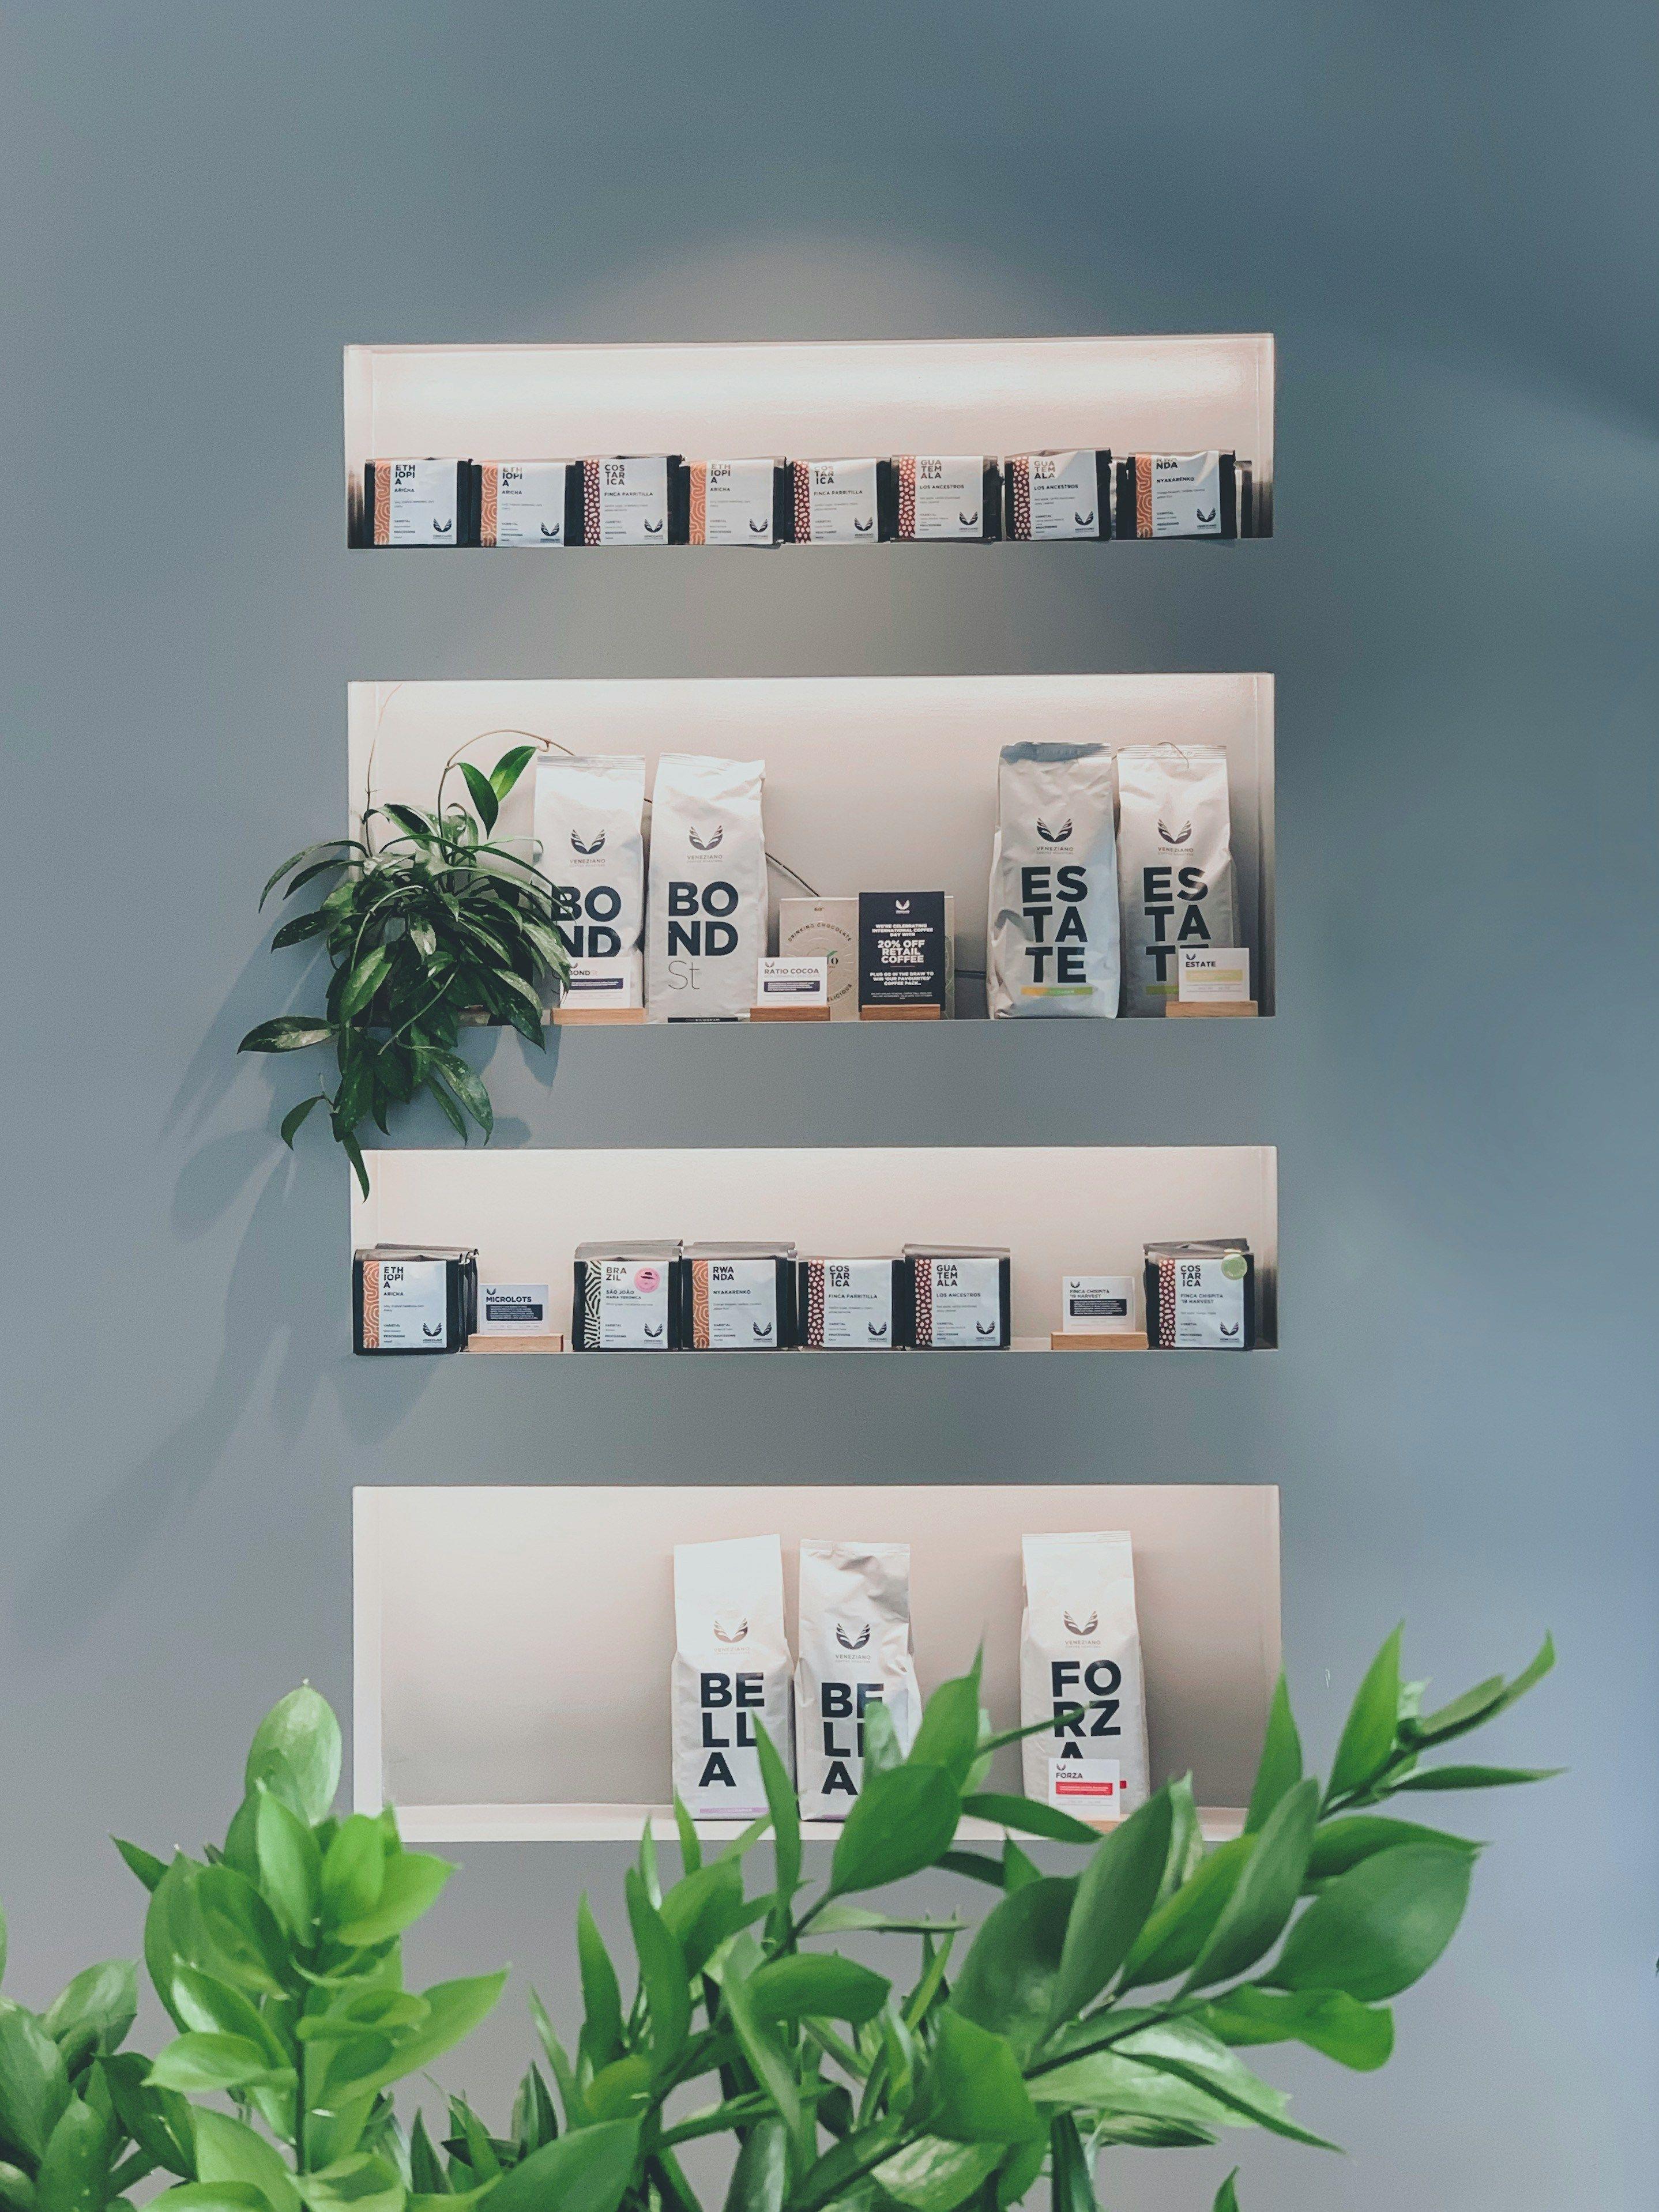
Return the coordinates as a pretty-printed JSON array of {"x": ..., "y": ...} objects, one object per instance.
[
  {"x": 731, "y": 1673},
  {"x": 1174, "y": 864},
  {"x": 708, "y": 907},
  {"x": 854, "y": 1642},
  {"x": 1052, "y": 924},
  {"x": 590, "y": 813},
  {"x": 1080, "y": 1669}
]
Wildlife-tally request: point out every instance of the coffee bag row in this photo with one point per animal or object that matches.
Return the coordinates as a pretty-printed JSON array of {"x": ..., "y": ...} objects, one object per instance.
[
  {"x": 662, "y": 499},
  {"x": 1104, "y": 867},
  {"x": 1081, "y": 1682},
  {"x": 668, "y": 1297}
]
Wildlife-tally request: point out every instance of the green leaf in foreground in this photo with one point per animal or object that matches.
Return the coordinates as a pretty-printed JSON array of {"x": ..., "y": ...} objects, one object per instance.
[
  {"x": 900, "y": 1823},
  {"x": 1116, "y": 1891},
  {"x": 1329, "y": 2020},
  {"x": 586, "y": 2172},
  {"x": 1368, "y": 1735},
  {"x": 1280, "y": 1765},
  {"x": 1375, "y": 1930}
]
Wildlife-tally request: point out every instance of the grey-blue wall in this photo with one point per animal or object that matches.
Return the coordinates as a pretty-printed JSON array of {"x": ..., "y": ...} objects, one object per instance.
[{"x": 1447, "y": 214}]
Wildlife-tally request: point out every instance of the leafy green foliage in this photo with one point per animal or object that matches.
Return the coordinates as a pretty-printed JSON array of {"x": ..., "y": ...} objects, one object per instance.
[
  {"x": 277, "y": 1956},
  {"x": 434, "y": 922}
]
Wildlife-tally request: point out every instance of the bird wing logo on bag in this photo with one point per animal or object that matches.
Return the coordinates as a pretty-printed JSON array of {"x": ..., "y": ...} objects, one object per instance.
[
  {"x": 708, "y": 844},
  {"x": 653, "y": 1332},
  {"x": 1228, "y": 1328},
  {"x": 1175, "y": 836},
  {"x": 597, "y": 846},
  {"x": 1054, "y": 836},
  {"x": 653, "y": 529},
  {"x": 1203, "y": 517},
  {"x": 852, "y": 1643},
  {"x": 552, "y": 530},
  {"x": 731, "y": 1627},
  {"x": 986, "y": 1328},
  {"x": 877, "y": 1328},
  {"x": 1081, "y": 1627},
  {"x": 967, "y": 521},
  {"x": 432, "y": 1328},
  {"x": 760, "y": 529},
  {"x": 902, "y": 906},
  {"x": 1083, "y": 521},
  {"x": 441, "y": 529},
  {"x": 762, "y": 1329},
  {"x": 863, "y": 526}
]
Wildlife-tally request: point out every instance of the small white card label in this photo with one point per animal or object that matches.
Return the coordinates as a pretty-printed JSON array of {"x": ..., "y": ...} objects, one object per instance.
[
  {"x": 797, "y": 980},
  {"x": 1097, "y": 1305},
  {"x": 603, "y": 982},
  {"x": 1090, "y": 1788},
  {"x": 1214, "y": 973},
  {"x": 512, "y": 1310}
]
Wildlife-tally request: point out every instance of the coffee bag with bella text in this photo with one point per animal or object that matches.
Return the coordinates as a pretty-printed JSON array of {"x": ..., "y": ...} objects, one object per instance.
[
  {"x": 731, "y": 1675},
  {"x": 708, "y": 900},
  {"x": 1052, "y": 918},
  {"x": 1080, "y": 1670},
  {"x": 1174, "y": 864},
  {"x": 854, "y": 1652}
]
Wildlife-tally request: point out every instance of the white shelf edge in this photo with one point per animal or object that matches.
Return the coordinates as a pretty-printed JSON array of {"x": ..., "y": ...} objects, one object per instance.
[{"x": 623, "y": 1824}]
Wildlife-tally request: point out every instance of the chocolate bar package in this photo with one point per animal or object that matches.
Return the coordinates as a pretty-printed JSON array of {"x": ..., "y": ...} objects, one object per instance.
[
  {"x": 957, "y": 1298},
  {"x": 1062, "y": 494},
  {"x": 633, "y": 499},
  {"x": 413, "y": 1298},
  {"x": 907, "y": 951},
  {"x": 941, "y": 498},
  {"x": 416, "y": 502},
  {"x": 849, "y": 1305},
  {"x": 624, "y": 1297},
  {"x": 734, "y": 502},
  {"x": 736, "y": 1297},
  {"x": 1201, "y": 1296},
  {"x": 834, "y": 502},
  {"x": 535, "y": 503},
  {"x": 1178, "y": 496}
]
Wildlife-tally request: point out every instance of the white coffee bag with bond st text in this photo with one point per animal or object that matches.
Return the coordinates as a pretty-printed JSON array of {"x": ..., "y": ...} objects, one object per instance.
[
  {"x": 854, "y": 1652},
  {"x": 1080, "y": 1669},
  {"x": 1174, "y": 864},
  {"x": 1052, "y": 921},
  {"x": 731, "y": 1673},
  {"x": 589, "y": 843},
  {"x": 709, "y": 905}
]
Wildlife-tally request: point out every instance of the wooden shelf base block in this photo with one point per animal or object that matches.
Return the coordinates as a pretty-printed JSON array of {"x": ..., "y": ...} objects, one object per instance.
[
  {"x": 515, "y": 1344},
  {"x": 1098, "y": 1341},
  {"x": 598, "y": 1018},
  {"x": 900, "y": 1014},
  {"x": 789, "y": 1014},
  {"x": 1197, "y": 1009}
]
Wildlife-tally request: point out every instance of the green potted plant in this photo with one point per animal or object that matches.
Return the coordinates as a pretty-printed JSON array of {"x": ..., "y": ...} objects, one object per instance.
[{"x": 422, "y": 927}]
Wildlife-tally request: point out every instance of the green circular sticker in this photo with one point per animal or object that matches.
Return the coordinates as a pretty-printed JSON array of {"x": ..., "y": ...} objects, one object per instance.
[{"x": 1234, "y": 1266}]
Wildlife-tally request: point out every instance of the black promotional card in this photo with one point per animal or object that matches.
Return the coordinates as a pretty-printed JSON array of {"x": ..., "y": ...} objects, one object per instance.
[{"x": 902, "y": 949}]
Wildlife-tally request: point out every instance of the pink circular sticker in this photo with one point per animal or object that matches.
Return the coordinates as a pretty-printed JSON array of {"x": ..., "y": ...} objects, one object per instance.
[{"x": 648, "y": 1279}]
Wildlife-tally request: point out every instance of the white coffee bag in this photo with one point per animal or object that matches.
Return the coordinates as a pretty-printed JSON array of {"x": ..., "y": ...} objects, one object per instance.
[
  {"x": 854, "y": 1646},
  {"x": 708, "y": 907},
  {"x": 1052, "y": 936},
  {"x": 589, "y": 842},
  {"x": 1080, "y": 1667},
  {"x": 730, "y": 1676},
  {"x": 1174, "y": 864}
]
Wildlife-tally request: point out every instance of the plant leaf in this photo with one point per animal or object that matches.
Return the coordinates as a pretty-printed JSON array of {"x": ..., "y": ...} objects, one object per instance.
[
  {"x": 290, "y": 1867},
  {"x": 508, "y": 769},
  {"x": 1072, "y": 2168},
  {"x": 760, "y": 2176},
  {"x": 815, "y": 1984},
  {"x": 1368, "y": 1735},
  {"x": 197, "y": 2064},
  {"x": 1339, "y": 1844},
  {"x": 482, "y": 794},
  {"x": 353, "y": 1870},
  {"x": 230, "y": 2150},
  {"x": 1266, "y": 1893},
  {"x": 413, "y": 1881},
  {"x": 453, "y": 2010},
  {"x": 1476, "y": 1778},
  {"x": 1279, "y": 1768},
  {"x": 1031, "y": 1816},
  {"x": 662, "y": 1975},
  {"x": 1375, "y": 1930},
  {"x": 94, "y": 2011},
  {"x": 949, "y": 1733},
  {"x": 287, "y": 1033},
  {"x": 1481, "y": 1704},
  {"x": 901, "y": 1821},
  {"x": 305, "y": 854},
  {"x": 365, "y": 979},
  {"x": 145, "y": 1864},
  {"x": 1330, "y": 2020},
  {"x": 1190, "y": 2052},
  {"x": 769, "y": 2064},
  {"x": 602, "y": 1996},
  {"x": 972, "y": 2090},
  {"x": 291, "y": 1124},
  {"x": 1009, "y": 1977},
  {"x": 933, "y": 2175},
  {"x": 1116, "y": 1891},
  {"x": 785, "y": 1809},
  {"x": 1227, "y": 2197}
]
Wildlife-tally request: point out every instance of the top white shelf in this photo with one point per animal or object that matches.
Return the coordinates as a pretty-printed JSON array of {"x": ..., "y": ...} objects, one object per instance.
[{"x": 1174, "y": 394}]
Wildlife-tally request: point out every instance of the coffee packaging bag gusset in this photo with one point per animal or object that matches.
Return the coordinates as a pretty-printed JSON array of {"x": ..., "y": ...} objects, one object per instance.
[
  {"x": 940, "y": 499},
  {"x": 734, "y": 502},
  {"x": 623, "y": 1297},
  {"x": 736, "y": 1297},
  {"x": 530, "y": 503},
  {"x": 731, "y": 1676},
  {"x": 849, "y": 1305},
  {"x": 1178, "y": 496},
  {"x": 418, "y": 502},
  {"x": 412, "y": 1299},
  {"x": 707, "y": 905},
  {"x": 1052, "y": 918},
  {"x": 1201, "y": 1296},
  {"x": 1080, "y": 1671},
  {"x": 854, "y": 1652},
  {"x": 1174, "y": 864},
  {"x": 589, "y": 842},
  {"x": 1058, "y": 495}
]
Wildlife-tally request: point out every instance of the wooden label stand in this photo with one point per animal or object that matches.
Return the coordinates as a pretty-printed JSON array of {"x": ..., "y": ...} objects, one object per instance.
[
  {"x": 1101, "y": 1340},
  {"x": 597, "y": 1018},
  {"x": 1198, "y": 1009},
  {"x": 515, "y": 1344},
  {"x": 900, "y": 1014},
  {"x": 788, "y": 1013}
]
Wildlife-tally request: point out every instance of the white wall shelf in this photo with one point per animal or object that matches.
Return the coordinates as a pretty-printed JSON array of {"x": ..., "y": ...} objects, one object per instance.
[
  {"x": 873, "y": 783},
  {"x": 1057, "y": 1208},
  {"x": 1182, "y": 393},
  {"x": 512, "y": 1645}
]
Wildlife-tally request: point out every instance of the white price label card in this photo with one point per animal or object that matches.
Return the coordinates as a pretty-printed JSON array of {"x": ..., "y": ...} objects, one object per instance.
[
  {"x": 796, "y": 980},
  {"x": 1211, "y": 974},
  {"x": 1097, "y": 1305},
  {"x": 513, "y": 1309},
  {"x": 1090, "y": 1788}
]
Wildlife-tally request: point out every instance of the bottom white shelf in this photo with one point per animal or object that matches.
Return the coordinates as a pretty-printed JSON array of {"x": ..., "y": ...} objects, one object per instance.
[{"x": 623, "y": 1824}]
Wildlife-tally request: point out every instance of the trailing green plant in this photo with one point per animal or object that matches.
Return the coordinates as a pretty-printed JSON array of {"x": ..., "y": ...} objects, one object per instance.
[
  {"x": 1101, "y": 2008},
  {"x": 433, "y": 922},
  {"x": 278, "y": 1957},
  {"x": 78, "y": 2124}
]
